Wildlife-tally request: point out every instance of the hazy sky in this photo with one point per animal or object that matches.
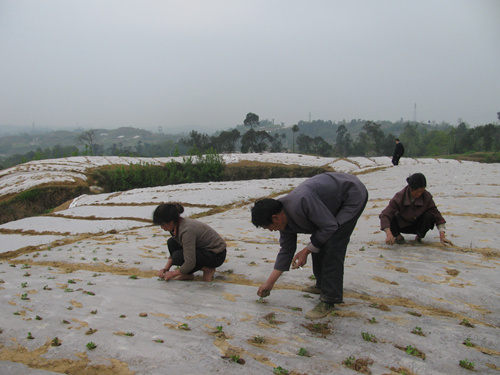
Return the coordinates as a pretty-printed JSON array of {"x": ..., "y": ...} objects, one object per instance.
[{"x": 204, "y": 64}]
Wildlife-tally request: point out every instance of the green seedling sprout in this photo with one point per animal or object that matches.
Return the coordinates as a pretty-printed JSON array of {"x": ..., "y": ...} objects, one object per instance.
[
  {"x": 414, "y": 351},
  {"x": 55, "y": 342},
  {"x": 468, "y": 343},
  {"x": 466, "y": 364},
  {"x": 91, "y": 346},
  {"x": 29, "y": 336},
  {"x": 258, "y": 339},
  {"x": 303, "y": 352},
  {"x": 368, "y": 337},
  {"x": 349, "y": 361},
  {"x": 417, "y": 331},
  {"x": 280, "y": 371}
]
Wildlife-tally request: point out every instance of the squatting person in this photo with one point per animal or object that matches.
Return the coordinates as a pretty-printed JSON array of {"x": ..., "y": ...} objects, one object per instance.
[
  {"x": 193, "y": 246},
  {"x": 327, "y": 206},
  {"x": 412, "y": 210}
]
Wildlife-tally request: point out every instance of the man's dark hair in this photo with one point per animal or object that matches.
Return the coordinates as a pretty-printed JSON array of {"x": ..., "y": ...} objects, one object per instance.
[{"x": 263, "y": 211}]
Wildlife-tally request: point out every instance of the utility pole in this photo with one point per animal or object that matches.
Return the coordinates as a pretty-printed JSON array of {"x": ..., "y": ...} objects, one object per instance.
[{"x": 415, "y": 113}]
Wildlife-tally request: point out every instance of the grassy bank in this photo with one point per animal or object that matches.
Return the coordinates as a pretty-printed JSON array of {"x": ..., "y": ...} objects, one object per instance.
[
  {"x": 38, "y": 201},
  {"x": 480, "y": 157}
]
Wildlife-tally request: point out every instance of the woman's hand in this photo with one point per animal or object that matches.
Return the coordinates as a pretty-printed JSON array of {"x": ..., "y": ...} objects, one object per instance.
[
  {"x": 389, "y": 240},
  {"x": 161, "y": 272},
  {"x": 168, "y": 275},
  {"x": 443, "y": 239}
]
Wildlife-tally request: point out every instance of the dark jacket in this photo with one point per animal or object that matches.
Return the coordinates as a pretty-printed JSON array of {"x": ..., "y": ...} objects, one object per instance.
[
  {"x": 318, "y": 206},
  {"x": 399, "y": 150},
  {"x": 406, "y": 212}
]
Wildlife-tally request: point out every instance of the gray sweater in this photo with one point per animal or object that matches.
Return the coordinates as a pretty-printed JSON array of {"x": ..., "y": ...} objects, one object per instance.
[
  {"x": 318, "y": 206},
  {"x": 193, "y": 234}
]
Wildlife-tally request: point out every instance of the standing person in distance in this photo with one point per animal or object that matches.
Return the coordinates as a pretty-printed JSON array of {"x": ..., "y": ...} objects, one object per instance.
[
  {"x": 327, "y": 206},
  {"x": 412, "y": 210},
  {"x": 399, "y": 150},
  {"x": 193, "y": 246}
]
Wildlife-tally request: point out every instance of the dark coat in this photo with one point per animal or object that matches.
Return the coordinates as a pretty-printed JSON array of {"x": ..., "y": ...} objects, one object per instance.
[
  {"x": 399, "y": 150},
  {"x": 406, "y": 213}
]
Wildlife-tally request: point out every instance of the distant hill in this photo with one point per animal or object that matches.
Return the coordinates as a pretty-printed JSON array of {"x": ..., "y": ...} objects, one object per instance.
[{"x": 31, "y": 141}]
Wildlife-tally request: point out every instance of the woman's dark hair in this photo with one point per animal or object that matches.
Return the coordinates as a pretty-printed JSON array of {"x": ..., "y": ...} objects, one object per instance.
[
  {"x": 167, "y": 212},
  {"x": 416, "y": 181},
  {"x": 263, "y": 211}
]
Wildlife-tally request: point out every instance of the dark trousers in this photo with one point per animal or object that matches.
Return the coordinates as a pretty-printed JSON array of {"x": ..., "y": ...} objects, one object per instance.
[
  {"x": 328, "y": 264},
  {"x": 423, "y": 224},
  {"x": 204, "y": 258},
  {"x": 395, "y": 159}
]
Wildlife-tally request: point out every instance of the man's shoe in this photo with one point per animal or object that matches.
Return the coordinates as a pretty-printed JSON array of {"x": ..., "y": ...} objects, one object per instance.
[
  {"x": 400, "y": 240},
  {"x": 418, "y": 240},
  {"x": 312, "y": 289},
  {"x": 321, "y": 310}
]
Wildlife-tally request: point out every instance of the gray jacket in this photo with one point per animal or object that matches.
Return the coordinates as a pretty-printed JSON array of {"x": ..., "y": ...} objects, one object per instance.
[
  {"x": 318, "y": 206},
  {"x": 193, "y": 234}
]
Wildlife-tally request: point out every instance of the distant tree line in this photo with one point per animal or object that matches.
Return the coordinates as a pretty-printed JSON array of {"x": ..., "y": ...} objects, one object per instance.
[{"x": 322, "y": 138}]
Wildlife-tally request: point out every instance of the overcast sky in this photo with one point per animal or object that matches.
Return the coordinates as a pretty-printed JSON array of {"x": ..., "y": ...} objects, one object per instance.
[{"x": 204, "y": 64}]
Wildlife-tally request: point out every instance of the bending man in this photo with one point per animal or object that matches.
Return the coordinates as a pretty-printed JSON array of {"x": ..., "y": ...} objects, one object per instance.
[{"x": 327, "y": 206}]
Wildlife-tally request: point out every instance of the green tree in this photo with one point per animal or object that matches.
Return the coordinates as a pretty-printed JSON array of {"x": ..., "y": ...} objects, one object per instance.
[
  {"x": 255, "y": 141},
  {"x": 375, "y": 137},
  {"x": 295, "y": 129},
  {"x": 226, "y": 141},
  {"x": 304, "y": 144},
  {"x": 251, "y": 120},
  {"x": 410, "y": 139},
  {"x": 343, "y": 144},
  {"x": 276, "y": 145},
  {"x": 197, "y": 142},
  {"x": 87, "y": 138}
]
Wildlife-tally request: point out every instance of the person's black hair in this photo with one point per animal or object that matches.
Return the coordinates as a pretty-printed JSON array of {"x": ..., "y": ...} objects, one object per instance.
[
  {"x": 263, "y": 211},
  {"x": 167, "y": 212},
  {"x": 416, "y": 181},
  {"x": 397, "y": 139}
]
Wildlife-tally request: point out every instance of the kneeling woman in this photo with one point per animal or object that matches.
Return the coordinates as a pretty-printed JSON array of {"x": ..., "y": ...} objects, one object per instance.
[{"x": 193, "y": 246}]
